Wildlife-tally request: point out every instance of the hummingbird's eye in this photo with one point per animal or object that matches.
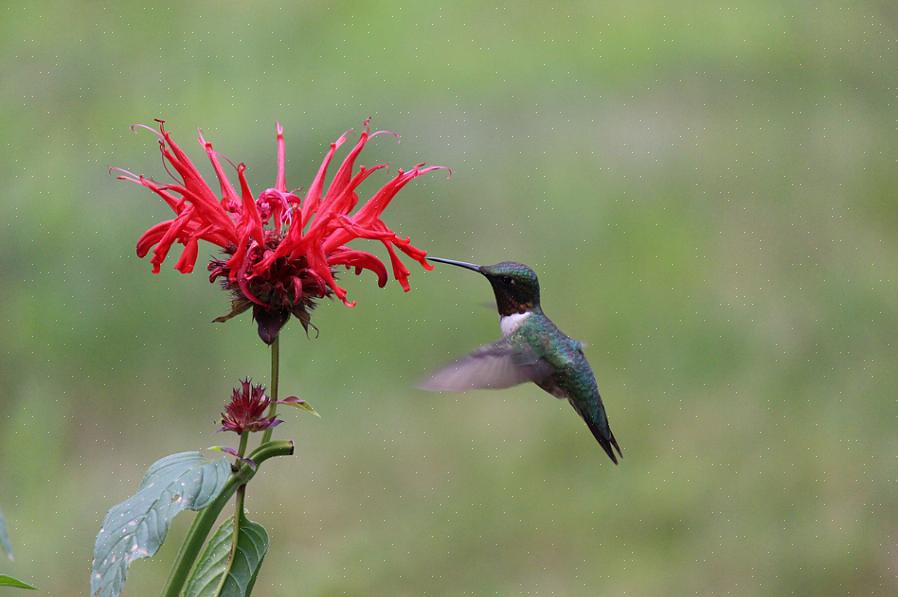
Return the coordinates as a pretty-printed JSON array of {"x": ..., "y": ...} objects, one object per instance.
[{"x": 510, "y": 281}]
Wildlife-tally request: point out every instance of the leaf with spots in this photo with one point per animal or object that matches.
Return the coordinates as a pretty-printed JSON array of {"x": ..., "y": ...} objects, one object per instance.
[
  {"x": 137, "y": 527},
  {"x": 5, "y": 543},
  {"x": 8, "y": 581},
  {"x": 225, "y": 571}
]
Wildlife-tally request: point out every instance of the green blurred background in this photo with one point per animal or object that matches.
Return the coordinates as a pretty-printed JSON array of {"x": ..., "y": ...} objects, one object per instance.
[{"x": 708, "y": 193}]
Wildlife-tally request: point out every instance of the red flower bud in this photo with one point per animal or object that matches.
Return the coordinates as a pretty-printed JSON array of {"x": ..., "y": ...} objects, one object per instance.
[{"x": 246, "y": 410}]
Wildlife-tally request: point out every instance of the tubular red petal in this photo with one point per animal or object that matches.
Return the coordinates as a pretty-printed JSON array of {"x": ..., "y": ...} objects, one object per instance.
[
  {"x": 318, "y": 264},
  {"x": 360, "y": 259},
  {"x": 294, "y": 233},
  {"x": 243, "y": 282},
  {"x": 362, "y": 232},
  {"x": 346, "y": 200},
  {"x": 415, "y": 253},
  {"x": 217, "y": 238},
  {"x": 151, "y": 237},
  {"x": 235, "y": 263},
  {"x": 161, "y": 190},
  {"x": 188, "y": 257},
  {"x": 191, "y": 176},
  {"x": 400, "y": 272},
  {"x": 382, "y": 199},
  {"x": 201, "y": 195},
  {"x": 313, "y": 197},
  {"x": 281, "y": 183},
  {"x": 341, "y": 178},
  {"x": 277, "y": 205},
  {"x": 297, "y": 289},
  {"x": 173, "y": 233},
  {"x": 336, "y": 235},
  {"x": 379, "y": 202},
  {"x": 228, "y": 194},
  {"x": 244, "y": 288},
  {"x": 250, "y": 217}
]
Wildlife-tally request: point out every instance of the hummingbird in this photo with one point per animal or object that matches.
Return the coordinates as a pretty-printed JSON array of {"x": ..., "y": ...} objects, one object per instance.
[{"x": 532, "y": 349}]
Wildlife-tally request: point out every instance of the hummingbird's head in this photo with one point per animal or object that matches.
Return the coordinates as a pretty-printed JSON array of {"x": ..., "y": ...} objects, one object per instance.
[{"x": 515, "y": 285}]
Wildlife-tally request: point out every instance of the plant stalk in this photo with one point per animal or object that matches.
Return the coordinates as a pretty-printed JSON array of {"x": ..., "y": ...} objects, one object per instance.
[
  {"x": 244, "y": 438},
  {"x": 273, "y": 386},
  {"x": 238, "y": 520},
  {"x": 206, "y": 517},
  {"x": 238, "y": 503}
]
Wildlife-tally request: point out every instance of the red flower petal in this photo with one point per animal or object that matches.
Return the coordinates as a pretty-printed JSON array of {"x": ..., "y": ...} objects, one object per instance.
[{"x": 360, "y": 260}]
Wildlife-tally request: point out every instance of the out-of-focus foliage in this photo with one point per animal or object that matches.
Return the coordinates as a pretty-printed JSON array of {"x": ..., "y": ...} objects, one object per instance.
[
  {"x": 5, "y": 543},
  {"x": 708, "y": 193}
]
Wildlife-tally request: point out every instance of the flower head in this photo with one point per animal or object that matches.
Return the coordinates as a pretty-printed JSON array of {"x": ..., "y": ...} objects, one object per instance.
[
  {"x": 279, "y": 251},
  {"x": 246, "y": 410}
]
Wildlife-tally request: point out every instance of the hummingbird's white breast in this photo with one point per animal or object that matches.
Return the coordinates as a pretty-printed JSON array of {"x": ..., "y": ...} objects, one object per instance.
[{"x": 509, "y": 323}]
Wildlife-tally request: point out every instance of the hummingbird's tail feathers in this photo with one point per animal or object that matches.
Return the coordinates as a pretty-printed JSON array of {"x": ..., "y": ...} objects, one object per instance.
[
  {"x": 608, "y": 443},
  {"x": 601, "y": 430},
  {"x": 613, "y": 441}
]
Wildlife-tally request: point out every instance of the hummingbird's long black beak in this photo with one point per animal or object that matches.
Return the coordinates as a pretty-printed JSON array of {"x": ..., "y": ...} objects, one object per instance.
[{"x": 463, "y": 264}]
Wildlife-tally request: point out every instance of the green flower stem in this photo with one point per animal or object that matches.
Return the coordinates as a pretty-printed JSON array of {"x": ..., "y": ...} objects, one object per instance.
[
  {"x": 204, "y": 520},
  {"x": 238, "y": 503},
  {"x": 273, "y": 386},
  {"x": 238, "y": 520},
  {"x": 244, "y": 438}
]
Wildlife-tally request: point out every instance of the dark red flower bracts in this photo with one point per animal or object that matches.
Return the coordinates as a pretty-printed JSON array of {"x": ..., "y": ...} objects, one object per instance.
[{"x": 246, "y": 410}]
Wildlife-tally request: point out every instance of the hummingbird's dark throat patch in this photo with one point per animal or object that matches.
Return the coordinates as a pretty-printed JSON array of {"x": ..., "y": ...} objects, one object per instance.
[{"x": 508, "y": 302}]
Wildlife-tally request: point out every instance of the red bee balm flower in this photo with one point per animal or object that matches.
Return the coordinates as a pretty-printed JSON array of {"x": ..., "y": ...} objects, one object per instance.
[
  {"x": 246, "y": 410},
  {"x": 279, "y": 251}
]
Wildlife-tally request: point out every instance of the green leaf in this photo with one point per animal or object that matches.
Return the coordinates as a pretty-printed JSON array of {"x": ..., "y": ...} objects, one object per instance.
[
  {"x": 299, "y": 403},
  {"x": 8, "y": 581},
  {"x": 5, "y": 544},
  {"x": 137, "y": 527},
  {"x": 216, "y": 574}
]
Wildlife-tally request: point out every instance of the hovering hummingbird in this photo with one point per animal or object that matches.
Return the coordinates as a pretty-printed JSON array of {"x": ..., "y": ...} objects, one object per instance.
[{"x": 532, "y": 348}]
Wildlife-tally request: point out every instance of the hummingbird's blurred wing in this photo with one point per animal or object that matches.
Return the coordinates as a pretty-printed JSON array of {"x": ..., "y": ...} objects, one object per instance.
[{"x": 494, "y": 366}]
